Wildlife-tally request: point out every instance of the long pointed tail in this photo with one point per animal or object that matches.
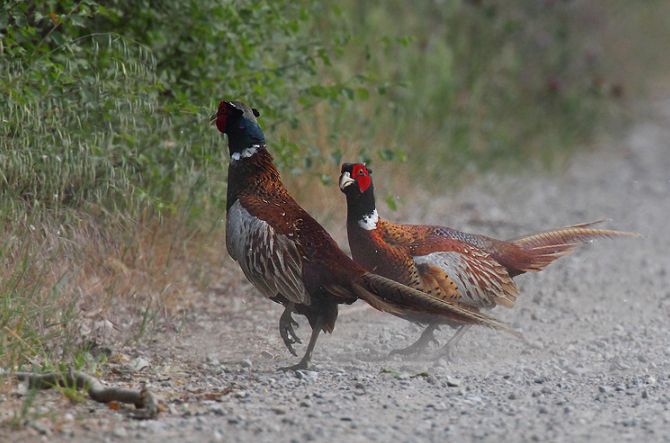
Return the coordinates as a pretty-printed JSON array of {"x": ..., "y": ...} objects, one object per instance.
[
  {"x": 543, "y": 248},
  {"x": 395, "y": 298}
]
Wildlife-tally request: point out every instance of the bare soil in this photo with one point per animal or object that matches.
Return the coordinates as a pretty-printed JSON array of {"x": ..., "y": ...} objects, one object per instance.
[{"x": 600, "y": 318}]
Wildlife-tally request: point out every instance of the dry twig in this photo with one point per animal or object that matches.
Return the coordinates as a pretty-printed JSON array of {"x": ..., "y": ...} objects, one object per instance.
[{"x": 142, "y": 399}]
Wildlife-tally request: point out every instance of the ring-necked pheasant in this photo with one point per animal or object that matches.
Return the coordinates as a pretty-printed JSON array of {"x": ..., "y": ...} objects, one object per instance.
[
  {"x": 289, "y": 257},
  {"x": 473, "y": 270}
]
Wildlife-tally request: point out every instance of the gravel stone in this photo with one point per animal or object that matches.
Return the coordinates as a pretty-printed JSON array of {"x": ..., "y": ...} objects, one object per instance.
[{"x": 119, "y": 432}]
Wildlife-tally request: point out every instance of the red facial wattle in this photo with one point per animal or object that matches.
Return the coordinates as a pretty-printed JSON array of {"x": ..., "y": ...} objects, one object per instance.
[
  {"x": 362, "y": 177},
  {"x": 222, "y": 116}
]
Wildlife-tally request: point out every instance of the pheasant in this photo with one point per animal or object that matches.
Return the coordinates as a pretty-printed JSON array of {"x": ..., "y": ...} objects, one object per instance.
[
  {"x": 290, "y": 258},
  {"x": 472, "y": 270}
]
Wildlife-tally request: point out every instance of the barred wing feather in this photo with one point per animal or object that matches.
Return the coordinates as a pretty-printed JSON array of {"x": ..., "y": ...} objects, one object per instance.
[
  {"x": 469, "y": 276},
  {"x": 271, "y": 261}
]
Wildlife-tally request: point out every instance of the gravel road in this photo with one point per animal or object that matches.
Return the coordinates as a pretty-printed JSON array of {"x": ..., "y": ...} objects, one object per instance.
[{"x": 600, "y": 319}]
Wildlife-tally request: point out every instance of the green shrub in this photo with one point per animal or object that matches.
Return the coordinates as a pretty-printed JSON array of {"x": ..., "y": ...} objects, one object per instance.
[
  {"x": 108, "y": 102},
  {"x": 471, "y": 85}
]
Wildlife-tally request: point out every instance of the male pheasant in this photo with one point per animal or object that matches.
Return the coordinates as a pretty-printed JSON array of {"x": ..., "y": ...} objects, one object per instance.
[
  {"x": 290, "y": 258},
  {"x": 472, "y": 270}
]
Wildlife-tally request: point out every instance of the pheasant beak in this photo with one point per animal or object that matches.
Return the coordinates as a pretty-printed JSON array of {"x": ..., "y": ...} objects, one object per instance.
[{"x": 346, "y": 180}]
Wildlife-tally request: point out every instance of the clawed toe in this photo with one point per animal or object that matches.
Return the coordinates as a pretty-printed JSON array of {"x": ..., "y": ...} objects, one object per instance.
[
  {"x": 448, "y": 354},
  {"x": 297, "y": 367},
  {"x": 288, "y": 342},
  {"x": 291, "y": 331},
  {"x": 289, "y": 338},
  {"x": 403, "y": 351},
  {"x": 427, "y": 337},
  {"x": 415, "y": 348},
  {"x": 287, "y": 331}
]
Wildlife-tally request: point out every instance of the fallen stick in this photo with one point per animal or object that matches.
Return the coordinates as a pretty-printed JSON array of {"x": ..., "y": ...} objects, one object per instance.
[{"x": 142, "y": 399}]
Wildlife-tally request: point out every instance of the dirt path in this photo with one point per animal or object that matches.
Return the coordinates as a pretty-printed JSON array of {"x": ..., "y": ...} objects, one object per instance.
[{"x": 600, "y": 317}]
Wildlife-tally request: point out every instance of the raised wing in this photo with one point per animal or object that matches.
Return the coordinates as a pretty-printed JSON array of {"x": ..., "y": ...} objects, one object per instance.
[
  {"x": 269, "y": 260},
  {"x": 453, "y": 270}
]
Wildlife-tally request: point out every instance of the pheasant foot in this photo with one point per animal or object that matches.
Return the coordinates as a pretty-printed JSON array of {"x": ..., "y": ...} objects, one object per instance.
[
  {"x": 448, "y": 351},
  {"x": 286, "y": 325},
  {"x": 427, "y": 337}
]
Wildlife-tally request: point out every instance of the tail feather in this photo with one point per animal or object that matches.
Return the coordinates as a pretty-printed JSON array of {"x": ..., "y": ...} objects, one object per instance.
[
  {"x": 545, "y": 247},
  {"x": 395, "y": 298}
]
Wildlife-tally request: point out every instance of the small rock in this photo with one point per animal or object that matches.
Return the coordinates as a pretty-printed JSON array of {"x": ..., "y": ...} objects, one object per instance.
[
  {"x": 543, "y": 410},
  {"x": 629, "y": 422},
  {"x": 453, "y": 382},
  {"x": 68, "y": 416},
  {"x": 266, "y": 354},
  {"x": 138, "y": 364},
  {"x": 603, "y": 389},
  {"x": 306, "y": 375},
  {"x": 530, "y": 372},
  {"x": 217, "y": 408},
  {"x": 431, "y": 379},
  {"x": 41, "y": 428},
  {"x": 279, "y": 410},
  {"x": 246, "y": 363},
  {"x": 120, "y": 432},
  {"x": 645, "y": 394},
  {"x": 572, "y": 370},
  {"x": 155, "y": 425},
  {"x": 241, "y": 394}
]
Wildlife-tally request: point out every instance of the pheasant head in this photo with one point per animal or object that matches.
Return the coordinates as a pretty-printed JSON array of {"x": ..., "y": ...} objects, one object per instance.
[
  {"x": 356, "y": 184},
  {"x": 238, "y": 122}
]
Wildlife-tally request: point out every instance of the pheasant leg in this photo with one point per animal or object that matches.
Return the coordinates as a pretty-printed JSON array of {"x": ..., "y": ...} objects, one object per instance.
[
  {"x": 286, "y": 325},
  {"x": 449, "y": 349},
  {"x": 304, "y": 362},
  {"x": 421, "y": 344}
]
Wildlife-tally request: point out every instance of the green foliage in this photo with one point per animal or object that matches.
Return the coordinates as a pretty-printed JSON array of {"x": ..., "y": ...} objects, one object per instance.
[
  {"x": 471, "y": 85},
  {"x": 108, "y": 102}
]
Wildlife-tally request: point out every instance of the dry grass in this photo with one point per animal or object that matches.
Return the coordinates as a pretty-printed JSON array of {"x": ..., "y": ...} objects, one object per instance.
[{"x": 67, "y": 288}]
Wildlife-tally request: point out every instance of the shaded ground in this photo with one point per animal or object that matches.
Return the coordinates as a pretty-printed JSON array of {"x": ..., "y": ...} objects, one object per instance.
[{"x": 600, "y": 318}]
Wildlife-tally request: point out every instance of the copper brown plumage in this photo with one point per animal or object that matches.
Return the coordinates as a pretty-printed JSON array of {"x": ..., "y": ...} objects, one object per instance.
[
  {"x": 472, "y": 270},
  {"x": 290, "y": 258}
]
